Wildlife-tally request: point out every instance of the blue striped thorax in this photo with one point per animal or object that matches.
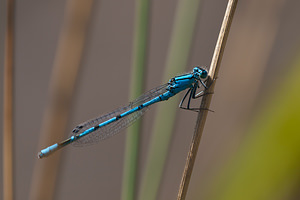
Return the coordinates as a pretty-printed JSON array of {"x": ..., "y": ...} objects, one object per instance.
[{"x": 182, "y": 82}]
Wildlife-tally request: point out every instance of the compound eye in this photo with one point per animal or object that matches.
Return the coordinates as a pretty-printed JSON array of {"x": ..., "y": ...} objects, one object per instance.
[{"x": 203, "y": 74}]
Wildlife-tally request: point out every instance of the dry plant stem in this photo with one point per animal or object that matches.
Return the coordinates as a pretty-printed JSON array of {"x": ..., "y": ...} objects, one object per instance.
[
  {"x": 63, "y": 78},
  {"x": 8, "y": 105},
  {"x": 214, "y": 68}
]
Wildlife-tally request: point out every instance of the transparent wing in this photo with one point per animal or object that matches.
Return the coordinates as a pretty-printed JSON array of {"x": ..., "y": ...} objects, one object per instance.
[
  {"x": 113, "y": 128},
  {"x": 149, "y": 95}
]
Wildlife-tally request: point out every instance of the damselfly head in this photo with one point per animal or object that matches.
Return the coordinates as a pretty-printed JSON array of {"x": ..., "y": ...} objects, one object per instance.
[{"x": 201, "y": 71}]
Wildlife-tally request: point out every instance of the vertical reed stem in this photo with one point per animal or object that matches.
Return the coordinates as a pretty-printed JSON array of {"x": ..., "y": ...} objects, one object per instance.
[
  {"x": 205, "y": 103},
  {"x": 62, "y": 85},
  {"x": 136, "y": 89},
  {"x": 8, "y": 105},
  {"x": 180, "y": 45}
]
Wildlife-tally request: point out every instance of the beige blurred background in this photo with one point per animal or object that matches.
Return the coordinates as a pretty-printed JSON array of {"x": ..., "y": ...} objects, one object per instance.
[{"x": 264, "y": 36}]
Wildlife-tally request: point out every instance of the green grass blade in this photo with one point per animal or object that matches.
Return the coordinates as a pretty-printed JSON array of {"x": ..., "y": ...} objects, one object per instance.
[
  {"x": 181, "y": 41},
  {"x": 267, "y": 164},
  {"x": 136, "y": 89}
]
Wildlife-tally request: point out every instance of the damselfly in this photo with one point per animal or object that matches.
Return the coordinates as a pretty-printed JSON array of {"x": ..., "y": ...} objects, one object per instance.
[{"x": 108, "y": 125}]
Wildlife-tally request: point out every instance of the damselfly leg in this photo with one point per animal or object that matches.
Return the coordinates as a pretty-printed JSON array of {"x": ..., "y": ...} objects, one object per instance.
[{"x": 193, "y": 95}]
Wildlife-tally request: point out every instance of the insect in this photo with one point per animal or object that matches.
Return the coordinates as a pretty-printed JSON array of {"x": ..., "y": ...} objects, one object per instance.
[{"x": 107, "y": 125}]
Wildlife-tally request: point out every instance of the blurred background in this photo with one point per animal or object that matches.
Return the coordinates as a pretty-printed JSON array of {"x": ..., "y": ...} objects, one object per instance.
[{"x": 249, "y": 148}]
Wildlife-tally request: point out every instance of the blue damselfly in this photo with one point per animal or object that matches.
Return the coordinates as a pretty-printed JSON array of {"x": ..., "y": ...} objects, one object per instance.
[{"x": 109, "y": 124}]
